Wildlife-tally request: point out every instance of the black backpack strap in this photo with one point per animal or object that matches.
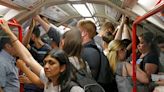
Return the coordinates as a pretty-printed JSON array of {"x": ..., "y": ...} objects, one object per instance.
[
  {"x": 96, "y": 48},
  {"x": 69, "y": 87}
]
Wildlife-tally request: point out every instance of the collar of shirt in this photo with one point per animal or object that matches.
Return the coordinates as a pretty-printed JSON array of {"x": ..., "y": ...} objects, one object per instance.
[{"x": 8, "y": 56}]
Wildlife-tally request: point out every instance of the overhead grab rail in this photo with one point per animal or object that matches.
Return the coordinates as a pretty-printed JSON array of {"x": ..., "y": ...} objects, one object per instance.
[
  {"x": 159, "y": 8},
  {"x": 14, "y": 23}
]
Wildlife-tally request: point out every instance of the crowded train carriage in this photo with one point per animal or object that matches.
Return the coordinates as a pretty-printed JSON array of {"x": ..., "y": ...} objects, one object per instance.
[{"x": 81, "y": 45}]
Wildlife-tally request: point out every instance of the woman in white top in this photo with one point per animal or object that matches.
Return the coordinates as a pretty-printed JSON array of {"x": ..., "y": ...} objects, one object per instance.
[{"x": 55, "y": 73}]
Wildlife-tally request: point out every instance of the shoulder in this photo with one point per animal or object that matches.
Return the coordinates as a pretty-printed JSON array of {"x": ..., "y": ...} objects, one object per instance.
[
  {"x": 151, "y": 58},
  {"x": 43, "y": 77},
  {"x": 77, "y": 89},
  {"x": 46, "y": 47}
]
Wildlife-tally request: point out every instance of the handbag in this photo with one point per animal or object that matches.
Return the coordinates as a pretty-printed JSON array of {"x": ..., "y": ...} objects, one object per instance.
[{"x": 125, "y": 83}]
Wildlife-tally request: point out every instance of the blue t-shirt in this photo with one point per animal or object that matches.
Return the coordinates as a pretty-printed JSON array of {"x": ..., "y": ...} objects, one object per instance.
[{"x": 9, "y": 81}]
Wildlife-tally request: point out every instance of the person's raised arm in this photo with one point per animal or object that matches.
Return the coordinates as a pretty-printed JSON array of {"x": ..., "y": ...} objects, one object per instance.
[
  {"x": 141, "y": 75},
  {"x": 32, "y": 76},
  {"x": 21, "y": 50},
  {"x": 118, "y": 35},
  {"x": 26, "y": 38},
  {"x": 44, "y": 24}
]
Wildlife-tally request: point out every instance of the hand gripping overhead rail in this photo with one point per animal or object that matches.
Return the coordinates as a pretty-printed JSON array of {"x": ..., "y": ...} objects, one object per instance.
[
  {"x": 14, "y": 23},
  {"x": 137, "y": 21}
]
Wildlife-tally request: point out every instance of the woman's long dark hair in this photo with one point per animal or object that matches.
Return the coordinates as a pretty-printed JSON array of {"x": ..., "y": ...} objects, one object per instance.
[
  {"x": 73, "y": 45},
  {"x": 62, "y": 57}
]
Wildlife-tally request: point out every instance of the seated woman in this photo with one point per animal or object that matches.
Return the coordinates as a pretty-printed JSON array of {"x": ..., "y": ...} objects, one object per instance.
[{"x": 55, "y": 74}]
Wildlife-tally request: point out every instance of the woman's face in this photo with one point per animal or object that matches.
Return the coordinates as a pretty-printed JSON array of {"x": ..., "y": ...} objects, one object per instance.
[
  {"x": 142, "y": 46},
  {"x": 52, "y": 67}
]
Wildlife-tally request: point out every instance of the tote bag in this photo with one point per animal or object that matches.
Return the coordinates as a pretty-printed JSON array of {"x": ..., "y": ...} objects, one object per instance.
[{"x": 125, "y": 83}]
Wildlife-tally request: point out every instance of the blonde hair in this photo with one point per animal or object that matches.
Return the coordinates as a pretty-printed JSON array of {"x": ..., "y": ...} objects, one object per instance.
[
  {"x": 112, "y": 56},
  {"x": 89, "y": 26},
  {"x": 107, "y": 26}
]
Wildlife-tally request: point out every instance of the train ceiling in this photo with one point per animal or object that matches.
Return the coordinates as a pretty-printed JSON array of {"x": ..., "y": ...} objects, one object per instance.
[{"x": 66, "y": 11}]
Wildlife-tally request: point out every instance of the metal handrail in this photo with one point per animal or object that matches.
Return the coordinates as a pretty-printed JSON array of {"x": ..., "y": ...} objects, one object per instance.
[
  {"x": 137, "y": 21},
  {"x": 15, "y": 24}
]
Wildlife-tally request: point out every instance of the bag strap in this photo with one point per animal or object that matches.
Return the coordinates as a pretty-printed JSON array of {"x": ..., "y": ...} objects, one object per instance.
[
  {"x": 69, "y": 87},
  {"x": 126, "y": 69},
  {"x": 96, "y": 48}
]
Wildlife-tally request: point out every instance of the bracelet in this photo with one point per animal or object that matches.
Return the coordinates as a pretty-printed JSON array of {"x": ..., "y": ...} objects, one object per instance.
[{"x": 14, "y": 41}]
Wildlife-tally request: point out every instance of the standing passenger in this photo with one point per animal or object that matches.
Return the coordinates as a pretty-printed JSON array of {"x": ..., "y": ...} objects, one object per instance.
[
  {"x": 55, "y": 74},
  {"x": 9, "y": 81},
  {"x": 123, "y": 69},
  {"x": 53, "y": 34},
  {"x": 149, "y": 53},
  {"x": 88, "y": 32},
  {"x": 37, "y": 48}
]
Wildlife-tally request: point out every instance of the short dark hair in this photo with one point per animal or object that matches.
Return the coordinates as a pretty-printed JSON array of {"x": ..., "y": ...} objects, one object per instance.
[
  {"x": 36, "y": 31},
  {"x": 3, "y": 41}
]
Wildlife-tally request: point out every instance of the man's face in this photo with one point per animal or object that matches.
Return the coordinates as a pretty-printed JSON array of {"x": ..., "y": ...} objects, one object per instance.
[{"x": 11, "y": 49}]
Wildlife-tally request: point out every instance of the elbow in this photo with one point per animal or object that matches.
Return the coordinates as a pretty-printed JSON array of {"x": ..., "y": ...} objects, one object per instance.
[{"x": 146, "y": 81}]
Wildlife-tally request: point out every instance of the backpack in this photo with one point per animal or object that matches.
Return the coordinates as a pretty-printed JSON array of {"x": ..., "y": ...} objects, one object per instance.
[
  {"x": 105, "y": 76},
  {"x": 84, "y": 81}
]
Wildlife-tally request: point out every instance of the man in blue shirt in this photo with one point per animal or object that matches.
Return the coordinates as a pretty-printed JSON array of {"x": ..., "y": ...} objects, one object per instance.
[{"x": 9, "y": 81}]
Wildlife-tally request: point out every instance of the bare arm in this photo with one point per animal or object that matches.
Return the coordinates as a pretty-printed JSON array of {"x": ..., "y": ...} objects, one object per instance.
[
  {"x": 22, "y": 51},
  {"x": 160, "y": 82},
  {"x": 150, "y": 69},
  {"x": 118, "y": 35},
  {"x": 141, "y": 75},
  {"x": 126, "y": 34},
  {"x": 1, "y": 89},
  {"x": 27, "y": 36},
  {"x": 32, "y": 76},
  {"x": 44, "y": 24}
]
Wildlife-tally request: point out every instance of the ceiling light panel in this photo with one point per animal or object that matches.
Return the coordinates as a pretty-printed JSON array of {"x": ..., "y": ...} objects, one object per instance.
[
  {"x": 91, "y": 19},
  {"x": 82, "y": 10},
  {"x": 26, "y": 3},
  {"x": 3, "y": 10},
  {"x": 54, "y": 13},
  {"x": 91, "y": 8}
]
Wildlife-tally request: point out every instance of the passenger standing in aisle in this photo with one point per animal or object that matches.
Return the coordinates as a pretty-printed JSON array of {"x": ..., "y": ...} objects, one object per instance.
[
  {"x": 56, "y": 60},
  {"x": 37, "y": 48},
  {"x": 149, "y": 54},
  {"x": 9, "y": 81},
  {"x": 123, "y": 69},
  {"x": 91, "y": 55},
  {"x": 70, "y": 42},
  {"x": 107, "y": 28},
  {"x": 52, "y": 33},
  {"x": 94, "y": 56}
]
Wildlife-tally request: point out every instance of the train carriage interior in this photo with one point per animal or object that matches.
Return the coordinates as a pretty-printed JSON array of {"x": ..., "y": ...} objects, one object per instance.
[
  {"x": 143, "y": 52},
  {"x": 65, "y": 13}
]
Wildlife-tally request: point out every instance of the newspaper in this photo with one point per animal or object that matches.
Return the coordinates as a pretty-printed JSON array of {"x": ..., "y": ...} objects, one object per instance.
[{"x": 157, "y": 77}]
